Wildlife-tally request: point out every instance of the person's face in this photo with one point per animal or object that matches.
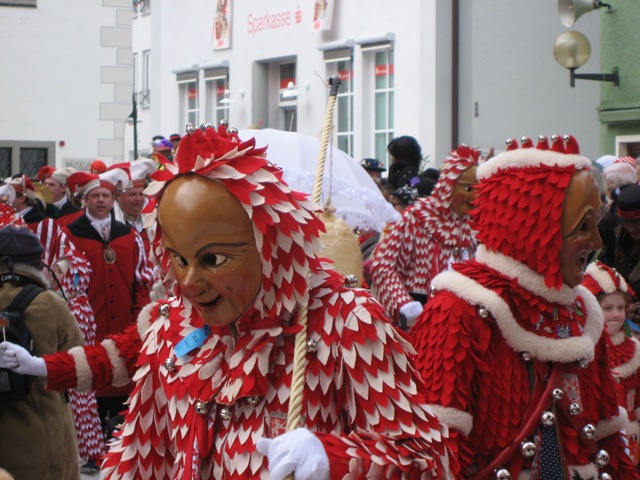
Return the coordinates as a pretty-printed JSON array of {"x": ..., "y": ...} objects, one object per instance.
[
  {"x": 212, "y": 246},
  {"x": 632, "y": 225},
  {"x": 464, "y": 193},
  {"x": 398, "y": 204},
  {"x": 375, "y": 175},
  {"x": 57, "y": 190},
  {"x": 99, "y": 202},
  {"x": 131, "y": 200},
  {"x": 581, "y": 213},
  {"x": 614, "y": 309}
]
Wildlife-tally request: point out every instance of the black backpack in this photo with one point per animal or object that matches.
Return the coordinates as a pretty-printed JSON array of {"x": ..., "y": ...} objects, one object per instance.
[{"x": 14, "y": 386}]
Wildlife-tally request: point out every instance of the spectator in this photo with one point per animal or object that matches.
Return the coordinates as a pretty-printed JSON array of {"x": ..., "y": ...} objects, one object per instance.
[
  {"x": 374, "y": 168},
  {"x": 175, "y": 139},
  {"x": 38, "y": 439},
  {"x": 121, "y": 275},
  {"x": 403, "y": 197},
  {"x": 56, "y": 182},
  {"x": 406, "y": 156}
]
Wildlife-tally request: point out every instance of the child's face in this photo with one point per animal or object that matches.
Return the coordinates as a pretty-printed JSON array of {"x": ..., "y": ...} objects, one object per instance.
[{"x": 614, "y": 308}]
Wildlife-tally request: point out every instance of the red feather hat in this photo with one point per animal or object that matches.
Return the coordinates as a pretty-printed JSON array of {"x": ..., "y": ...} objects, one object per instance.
[{"x": 520, "y": 198}]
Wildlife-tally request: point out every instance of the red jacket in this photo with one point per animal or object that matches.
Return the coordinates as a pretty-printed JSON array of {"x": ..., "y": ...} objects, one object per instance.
[{"x": 117, "y": 291}]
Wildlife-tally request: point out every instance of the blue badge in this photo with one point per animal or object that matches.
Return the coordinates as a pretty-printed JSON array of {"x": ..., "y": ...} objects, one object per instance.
[{"x": 192, "y": 341}]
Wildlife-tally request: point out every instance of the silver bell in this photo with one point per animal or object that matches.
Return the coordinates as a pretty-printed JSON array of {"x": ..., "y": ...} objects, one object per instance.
[
  {"x": 602, "y": 459},
  {"x": 548, "y": 419},
  {"x": 202, "y": 408},
  {"x": 312, "y": 345},
  {"x": 164, "y": 310},
  {"x": 526, "y": 356},
  {"x": 253, "y": 399},
  {"x": 557, "y": 394},
  {"x": 170, "y": 364},
  {"x": 503, "y": 474},
  {"x": 583, "y": 363},
  {"x": 223, "y": 123},
  {"x": 589, "y": 431},
  {"x": 575, "y": 408},
  {"x": 232, "y": 130},
  {"x": 528, "y": 449},
  {"x": 483, "y": 312},
  {"x": 226, "y": 413},
  {"x": 189, "y": 128},
  {"x": 351, "y": 281},
  {"x": 605, "y": 476}
]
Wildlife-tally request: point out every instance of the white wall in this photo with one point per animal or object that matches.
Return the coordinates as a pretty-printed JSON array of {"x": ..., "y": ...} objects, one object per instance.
[{"x": 66, "y": 76}]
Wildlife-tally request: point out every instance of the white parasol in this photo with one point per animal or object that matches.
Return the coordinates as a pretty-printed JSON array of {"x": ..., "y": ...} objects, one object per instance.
[{"x": 349, "y": 188}]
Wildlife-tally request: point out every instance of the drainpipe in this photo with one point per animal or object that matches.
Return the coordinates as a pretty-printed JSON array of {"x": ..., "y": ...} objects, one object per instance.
[{"x": 455, "y": 65}]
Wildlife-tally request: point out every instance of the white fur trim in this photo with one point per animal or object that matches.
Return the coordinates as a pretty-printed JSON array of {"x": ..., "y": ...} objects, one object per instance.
[
  {"x": 587, "y": 471},
  {"x": 453, "y": 418},
  {"x": 547, "y": 349},
  {"x": 144, "y": 317},
  {"x": 609, "y": 426},
  {"x": 604, "y": 280},
  {"x": 526, "y": 277},
  {"x": 120, "y": 373},
  {"x": 530, "y": 157},
  {"x": 83, "y": 371},
  {"x": 629, "y": 368}
]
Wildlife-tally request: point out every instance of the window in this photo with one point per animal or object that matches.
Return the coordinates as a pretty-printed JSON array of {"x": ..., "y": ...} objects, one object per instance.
[
  {"x": 383, "y": 100},
  {"x": 25, "y": 157},
  {"x": 188, "y": 98},
  {"x": 217, "y": 103},
  {"x": 144, "y": 96},
  {"x": 339, "y": 63},
  {"x": 288, "y": 102},
  {"x": 141, "y": 6}
]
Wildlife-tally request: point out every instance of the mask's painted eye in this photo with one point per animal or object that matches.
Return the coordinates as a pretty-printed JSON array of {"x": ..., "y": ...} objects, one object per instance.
[
  {"x": 179, "y": 261},
  {"x": 213, "y": 260}
]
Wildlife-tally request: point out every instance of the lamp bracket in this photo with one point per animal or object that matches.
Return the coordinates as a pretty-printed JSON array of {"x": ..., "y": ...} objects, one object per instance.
[{"x": 599, "y": 77}]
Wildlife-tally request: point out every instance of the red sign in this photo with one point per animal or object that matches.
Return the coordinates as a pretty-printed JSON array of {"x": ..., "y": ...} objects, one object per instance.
[
  {"x": 345, "y": 74},
  {"x": 284, "y": 82},
  {"x": 384, "y": 70}
]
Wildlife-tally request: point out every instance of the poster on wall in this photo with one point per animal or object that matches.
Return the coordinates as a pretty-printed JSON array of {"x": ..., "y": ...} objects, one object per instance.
[
  {"x": 222, "y": 25},
  {"x": 322, "y": 14}
]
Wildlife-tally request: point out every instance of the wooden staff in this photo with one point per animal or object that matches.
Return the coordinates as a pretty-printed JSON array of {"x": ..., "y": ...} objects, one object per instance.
[{"x": 300, "y": 349}]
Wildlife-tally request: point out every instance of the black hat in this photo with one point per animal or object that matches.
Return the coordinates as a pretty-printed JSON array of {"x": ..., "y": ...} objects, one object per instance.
[
  {"x": 629, "y": 203},
  {"x": 372, "y": 164},
  {"x": 406, "y": 150},
  {"x": 21, "y": 246}
]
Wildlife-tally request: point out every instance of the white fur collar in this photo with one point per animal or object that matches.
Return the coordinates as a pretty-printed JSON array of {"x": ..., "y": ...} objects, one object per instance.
[
  {"x": 632, "y": 365},
  {"x": 529, "y": 279},
  {"x": 521, "y": 340}
]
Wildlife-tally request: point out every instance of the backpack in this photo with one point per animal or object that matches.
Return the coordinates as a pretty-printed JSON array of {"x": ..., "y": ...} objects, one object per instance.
[{"x": 14, "y": 386}]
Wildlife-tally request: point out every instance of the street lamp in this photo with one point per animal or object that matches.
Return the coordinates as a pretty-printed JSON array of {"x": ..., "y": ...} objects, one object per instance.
[{"x": 572, "y": 50}]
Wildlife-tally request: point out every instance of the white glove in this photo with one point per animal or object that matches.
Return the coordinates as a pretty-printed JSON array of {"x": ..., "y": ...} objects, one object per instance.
[
  {"x": 21, "y": 361},
  {"x": 411, "y": 311},
  {"x": 298, "y": 452}
]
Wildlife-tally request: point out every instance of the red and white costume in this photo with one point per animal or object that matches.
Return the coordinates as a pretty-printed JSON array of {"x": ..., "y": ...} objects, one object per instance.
[
  {"x": 75, "y": 283},
  {"x": 425, "y": 241},
  {"x": 511, "y": 354},
  {"x": 199, "y": 415},
  {"x": 624, "y": 353}
]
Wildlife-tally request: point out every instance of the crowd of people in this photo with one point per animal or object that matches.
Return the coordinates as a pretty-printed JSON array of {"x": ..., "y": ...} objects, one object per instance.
[{"x": 200, "y": 334}]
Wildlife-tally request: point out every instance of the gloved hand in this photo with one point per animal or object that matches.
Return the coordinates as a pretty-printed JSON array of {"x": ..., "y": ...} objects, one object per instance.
[
  {"x": 411, "y": 311},
  {"x": 21, "y": 361},
  {"x": 298, "y": 451}
]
